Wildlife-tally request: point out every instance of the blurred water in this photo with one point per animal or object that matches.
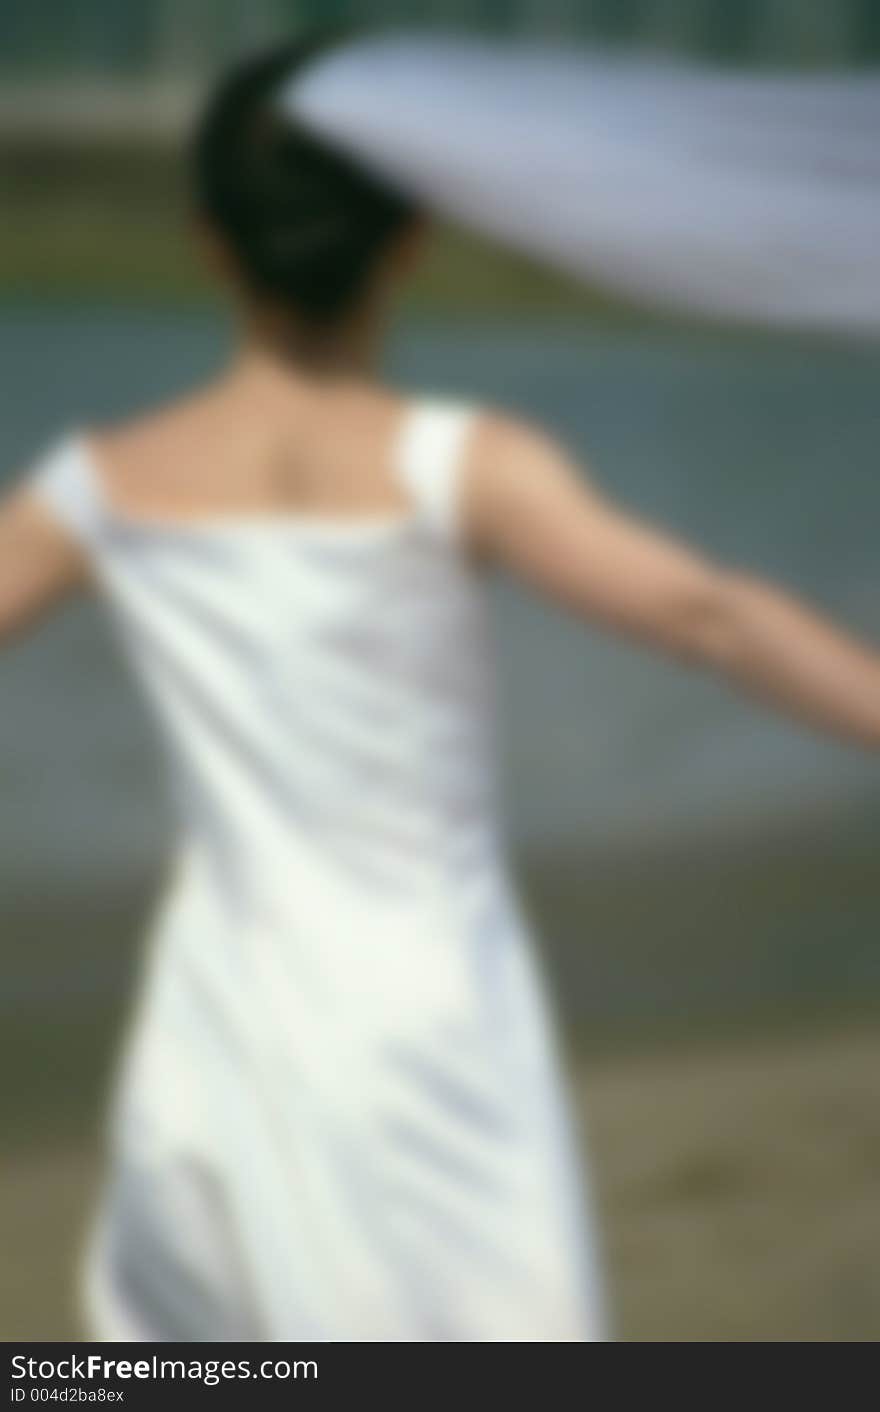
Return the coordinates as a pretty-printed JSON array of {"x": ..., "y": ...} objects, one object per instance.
[{"x": 764, "y": 452}]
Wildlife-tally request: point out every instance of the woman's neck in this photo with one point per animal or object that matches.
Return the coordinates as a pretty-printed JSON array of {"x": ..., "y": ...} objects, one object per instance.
[{"x": 276, "y": 343}]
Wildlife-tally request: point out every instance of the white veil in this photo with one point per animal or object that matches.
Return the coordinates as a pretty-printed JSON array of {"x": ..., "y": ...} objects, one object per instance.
[{"x": 753, "y": 196}]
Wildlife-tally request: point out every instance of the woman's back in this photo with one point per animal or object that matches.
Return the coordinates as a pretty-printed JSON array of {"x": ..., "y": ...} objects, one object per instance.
[
  {"x": 260, "y": 442},
  {"x": 293, "y": 594}
]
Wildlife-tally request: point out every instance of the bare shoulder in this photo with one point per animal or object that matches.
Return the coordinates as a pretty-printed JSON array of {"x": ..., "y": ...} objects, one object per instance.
[
  {"x": 502, "y": 441},
  {"x": 186, "y": 457},
  {"x": 147, "y": 437},
  {"x": 510, "y": 454},
  {"x": 515, "y": 471}
]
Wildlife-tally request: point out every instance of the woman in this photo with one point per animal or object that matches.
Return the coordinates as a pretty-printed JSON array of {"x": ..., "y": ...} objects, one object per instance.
[{"x": 339, "y": 1116}]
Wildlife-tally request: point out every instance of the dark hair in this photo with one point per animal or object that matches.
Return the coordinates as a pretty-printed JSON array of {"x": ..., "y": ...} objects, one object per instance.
[{"x": 304, "y": 223}]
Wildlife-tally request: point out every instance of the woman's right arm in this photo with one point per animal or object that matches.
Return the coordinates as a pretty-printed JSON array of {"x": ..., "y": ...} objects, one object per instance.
[
  {"x": 526, "y": 506},
  {"x": 40, "y": 564}
]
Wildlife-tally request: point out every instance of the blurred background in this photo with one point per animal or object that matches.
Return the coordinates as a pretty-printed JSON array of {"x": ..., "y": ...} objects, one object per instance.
[{"x": 703, "y": 876}]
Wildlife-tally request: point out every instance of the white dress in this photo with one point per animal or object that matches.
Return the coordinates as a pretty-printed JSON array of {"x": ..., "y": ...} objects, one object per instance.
[{"x": 339, "y": 1115}]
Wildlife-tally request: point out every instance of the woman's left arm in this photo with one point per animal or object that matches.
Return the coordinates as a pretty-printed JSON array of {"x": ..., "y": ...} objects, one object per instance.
[
  {"x": 40, "y": 564},
  {"x": 527, "y": 507}
]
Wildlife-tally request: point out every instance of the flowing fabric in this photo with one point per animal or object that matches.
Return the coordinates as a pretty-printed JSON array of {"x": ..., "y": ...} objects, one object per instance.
[{"x": 753, "y": 196}]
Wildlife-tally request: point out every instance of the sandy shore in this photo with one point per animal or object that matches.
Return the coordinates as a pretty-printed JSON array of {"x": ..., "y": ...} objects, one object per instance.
[{"x": 738, "y": 1188}]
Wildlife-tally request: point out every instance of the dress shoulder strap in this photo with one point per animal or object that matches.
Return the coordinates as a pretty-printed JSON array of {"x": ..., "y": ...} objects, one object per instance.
[
  {"x": 66, "y": 482},
  {"x": 429, "y": 454}
]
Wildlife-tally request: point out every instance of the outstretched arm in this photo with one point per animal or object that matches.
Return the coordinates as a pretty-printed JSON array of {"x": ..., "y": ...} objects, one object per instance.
[
  {"x": 39, "y": 564},
  {"x": 527, "y": 507}
]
